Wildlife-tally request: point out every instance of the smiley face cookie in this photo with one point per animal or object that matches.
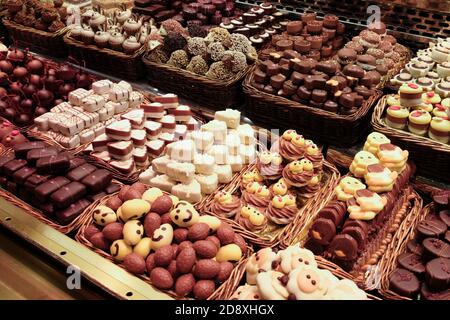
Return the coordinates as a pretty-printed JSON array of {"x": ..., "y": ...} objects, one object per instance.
[
  {"x": 263, "y": 260},
  {"x": 347, "y": 188},
  {"x": 246, "y": 292},
  {"x": 392, "y": 157},
  {"x": 184, "y": 214},
  {"x": 293, "y": 257},
  {"x": 307, "y": 283},
  {"x": 361, "y": 161},
  {"x": 366, "y": 206},
  {"x": 272, "y": 285},
  {"x": 373, "y": 142},
  {"x": 380, "y": 179}
]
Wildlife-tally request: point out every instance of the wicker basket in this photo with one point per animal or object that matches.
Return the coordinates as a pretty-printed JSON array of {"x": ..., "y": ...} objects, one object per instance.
[
  {"x": 321, "y": 263},
  {"x": 118, "y": 64},
  {"x": 324, "y": 126},
  {"x": 49, "y": 43},
  {"x": 227, "y": 286},
  {"x": 276, "y": 235},
  {"x": 396, "y": 247},
  {"x": 431, "y": 157},
  {"x": 215, "y": 94}
]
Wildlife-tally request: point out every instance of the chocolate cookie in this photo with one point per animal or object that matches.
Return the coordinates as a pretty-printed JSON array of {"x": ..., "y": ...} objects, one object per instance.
[
  {"x": 404, "y": 282},
  {"x": 431, "y": 228},
  {"x": 344, "y": 247},
  {"x": 427, "y": 294},
  {"x": 414, "y": 247},
  {"x": 411, "y": 262},
  {"x": 322, "y": 231},
  {"x": 444, "y": 215},
  {"x": 438, "y": 274},
  {"x": 435, "y": 248}
]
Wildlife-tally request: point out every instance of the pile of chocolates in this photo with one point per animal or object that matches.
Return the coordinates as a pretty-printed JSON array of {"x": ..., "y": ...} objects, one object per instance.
[
  {"x": 60, "y": 185},
  {"x": 153, "y": 233},
  {"x": 88, "y": 113},
  {"x": 309, "y": 37},
  {"x": 188, "y": 12},
  {"x": 217, "y": 54},
  {"x": 423, "y": 270},
  {"x": 36, "y": 14},
  {"x": 204, "y": 159},
  {"x": 292, "y": 274},
  {"x": 9, "y": 134},
  {"x": 350, "y": 229},
  {"x": 322, "y": 85},
  {"x": 421, "y": 113},
  {"x": 123, "y": 32},
  {"x": 373, "y": 49},
  {"x": 271, "y": 194},
  {"x": 430, "y": 69},
  {"x": 29, "y": 86}
]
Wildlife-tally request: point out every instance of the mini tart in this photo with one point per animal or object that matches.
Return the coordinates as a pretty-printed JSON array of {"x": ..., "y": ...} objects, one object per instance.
[
  {"x": 410, "y": 94},
  {"x": 425, "y": 83},
  {"x": 281, "y": 211},
  {"x": 297, "y": 175},
  {"x": 419, "y": 121},
  {"x": 431, "y": 97},
  {"x": 443, "y": 69},
  {"x": 417, "y": 68},
  {"x": 393, "y": 100},
  {"x": 434, "y": 76},
  {"x": 270, "y": 165},
  {"x": 251, "y": 218},
  {"x": 440, "y": 129},
  {"x": 401, "y": 78},
  {"x": 441, "y": 111},
  {"x": 443, "y": 89},
  {"x": 225, "y": 205},
  {"x": 291, "y": 145},
  {"x": 446, "y": 103},
  {"x": 425, "y": 59},
  {"x": 397, "y": 117},
  {"x": 440, "y": 54},
  {"x": 428, "y": 107}
]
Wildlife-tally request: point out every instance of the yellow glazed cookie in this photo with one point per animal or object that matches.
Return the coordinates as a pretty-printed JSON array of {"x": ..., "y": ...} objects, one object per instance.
[
  {"x": 347, "y": 188},
  {"x": 380, "y": 179},
  {"x": 440, "y": 129},
  {"x": 392, "y": 157},
  {"x": 360, "y": 162},
  {"x": 419, "y": 121},
  {"x": 374, "y": 140}
]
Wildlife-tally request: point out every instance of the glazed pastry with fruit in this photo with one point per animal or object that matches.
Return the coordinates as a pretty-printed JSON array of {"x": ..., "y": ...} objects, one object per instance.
[
  {"x": 410, "y": 95},
  {"x": 419, "y": 122},
  {"x": 440, "y": 129},
  {"x": 293, "y": 274},
  {"x": 154, "y": 234},
  {"x": 252, "y": 218},
  {"x": 397, "y": 117},
  {"x": 225, "y": 204}
]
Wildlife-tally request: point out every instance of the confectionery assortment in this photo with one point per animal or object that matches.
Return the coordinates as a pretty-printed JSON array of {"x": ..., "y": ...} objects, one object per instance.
[
  {"x": 217, "y": 55},
  {"x": 60, "y": 185},
  {"x": 207, "y": 192},
  {"x": 35, "y": 14},
  {"x": 430, "y": 69},
  {"x": 123, "y": 32},
  {"x": 423, "y": 269},
  {"x": 89, "y": 115},
  {"x": 420, "y": 112},
  {"x": 281, "y": 182},
  {"x": 367, "y": 206},
  {"x": 205, "y": 159},
  {"x": 30, "y": 86},
  {"x": 154, "y": 233},
  {"x": 292, "y": 274}
]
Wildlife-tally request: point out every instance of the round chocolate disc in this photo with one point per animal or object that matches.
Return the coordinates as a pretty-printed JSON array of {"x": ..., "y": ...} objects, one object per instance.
[
  {"x": 431, "y": 228},
  {"x": 335, "y": 211},
  {"x": 441, "y": 199},
  {"x": 444, "y": 215},
  {"x": 322, "y": 230},
  {"x": 427, "y": 294},
  {"x": 315, "y": 247},
  {"x": 411, "y": 262},
  {"x": 404, "y": 282},
  {"x": 438, "y": 274},
  {"x": 414, "y": 247},
  {"x": 357, "y": 233},
  {"x": 436, "y": 248},
  {"x": 344, "y": 247}
]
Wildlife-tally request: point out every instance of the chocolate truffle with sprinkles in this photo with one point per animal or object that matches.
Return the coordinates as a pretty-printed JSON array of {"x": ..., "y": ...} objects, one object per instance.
[
  {"x": 174, "y": 41},
  {"x": 219, "y": 71},
  {"x": 234, "y": 60},
  {"x": 172, "y": 25},
  {"x": 239, "y": 42},
  {"x": 216, "y": 50},
  {"x": 218, "y": 35},
  {"x": 158, "y": 55},
  {"x": 197, "y": 31},
  {"x": 179, "y": 59},
  {"x": 198, "y": 65},
  {"x": 197, "y": 46}
]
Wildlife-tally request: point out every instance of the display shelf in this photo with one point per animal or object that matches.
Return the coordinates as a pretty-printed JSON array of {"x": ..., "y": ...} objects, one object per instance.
[{"x": 103, "y": 273}]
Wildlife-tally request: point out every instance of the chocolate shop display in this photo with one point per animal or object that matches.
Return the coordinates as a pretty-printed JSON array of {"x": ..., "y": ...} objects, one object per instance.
[
  {"x": 60, "y": 185},
  {"x": 422, "y": 269},
  {"x": 37, "y": 25},
  {"x": 165, "y": 241},
  {"x": 208, "y": 68},
  {"x": 354, "y": 228}
]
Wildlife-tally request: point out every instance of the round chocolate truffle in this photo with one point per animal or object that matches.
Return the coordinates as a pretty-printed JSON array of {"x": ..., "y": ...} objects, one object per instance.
[{"x": 404, "y": 282}]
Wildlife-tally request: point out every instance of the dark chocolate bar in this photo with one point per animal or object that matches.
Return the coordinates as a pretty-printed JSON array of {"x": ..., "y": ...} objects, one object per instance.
[
  {"x": 81, "y": 172},
  {"x": 97, "y": 181},
  {"x": 34, "y": 155},
  {"x": 12, "y": 166},
  {"x": 68, "y": 194},
  {"x": 22, "y": 149},
  {"x": 44, "y": 190},
  {"x": 21, "y": 175},
  {"x": 69, "y": 214},
  {"x": 58, "y": 164}
]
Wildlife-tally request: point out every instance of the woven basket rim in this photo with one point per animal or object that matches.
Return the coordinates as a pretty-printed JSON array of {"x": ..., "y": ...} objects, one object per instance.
[
  {"x": 389, "y": 263},
  {"x": 195, "y": 77},
  {"x": 71, "y": 41},
  {"x": 231, "y": 282},
  {"x": 12, "y": 24},
  {"x": 379, "y": 125},
  {"x": 249, "y": 89}
]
